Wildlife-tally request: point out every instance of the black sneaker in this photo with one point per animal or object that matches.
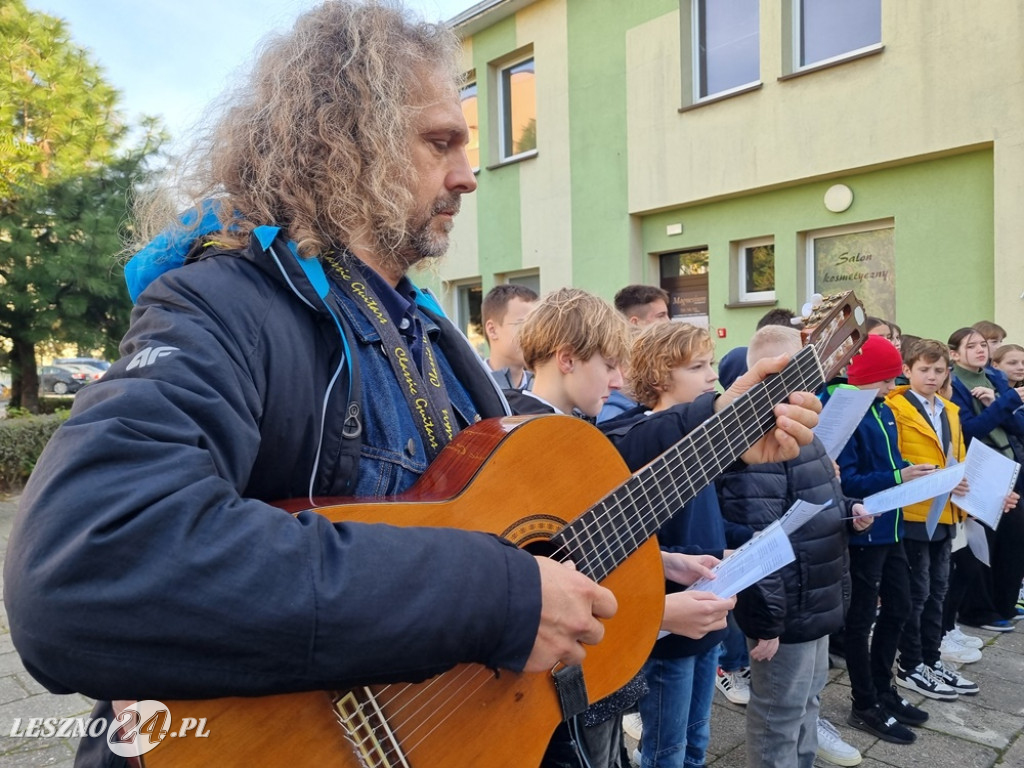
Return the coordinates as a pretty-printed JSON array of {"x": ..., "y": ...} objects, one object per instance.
[
  {"x": 902, "y": 709},
  {"x": 954, "y": 679},
  {"x": 923, "y": 679},
  {"x": 880, "y": 723}
]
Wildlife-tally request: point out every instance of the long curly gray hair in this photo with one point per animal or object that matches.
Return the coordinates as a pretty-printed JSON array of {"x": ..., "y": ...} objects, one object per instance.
[{"x": 317, "y": 140}]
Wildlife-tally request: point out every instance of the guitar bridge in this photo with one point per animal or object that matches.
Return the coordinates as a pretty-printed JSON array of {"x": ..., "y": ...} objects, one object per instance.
[{"x": 366, "y": 727}]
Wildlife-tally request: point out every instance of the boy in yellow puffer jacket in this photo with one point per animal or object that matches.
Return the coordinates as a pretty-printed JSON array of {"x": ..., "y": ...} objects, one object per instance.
[{"x": 929, "y": 433}]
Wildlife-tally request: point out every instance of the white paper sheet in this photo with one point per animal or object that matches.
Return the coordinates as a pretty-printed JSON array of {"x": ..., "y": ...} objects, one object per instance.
[
  {"x": 800, "y": 513},
  {"x": 976, "y": 539},
  {"x": 937, "y": 483},
  {"x": 839, "y": 418},
  {"x": 764, "y": 554},
  {"x": 990, "y": 476}
]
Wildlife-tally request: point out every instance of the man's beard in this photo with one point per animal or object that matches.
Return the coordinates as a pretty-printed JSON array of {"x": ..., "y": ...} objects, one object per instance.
[{"x": 422, "y": 239}]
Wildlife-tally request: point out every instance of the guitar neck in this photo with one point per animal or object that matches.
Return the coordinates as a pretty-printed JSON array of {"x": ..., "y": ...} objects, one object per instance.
[{"x": 603, "y": 537}]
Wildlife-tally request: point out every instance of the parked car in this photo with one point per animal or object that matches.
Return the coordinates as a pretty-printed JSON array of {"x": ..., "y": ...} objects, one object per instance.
[
  {"x": 92, "y": 374},
  {"x": 61, "y": 381},
  {"x": 92, "y": 362}
]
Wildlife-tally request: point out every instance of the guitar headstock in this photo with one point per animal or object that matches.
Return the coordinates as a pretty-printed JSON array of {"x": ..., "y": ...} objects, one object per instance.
[{"x": 835, "y": 328}]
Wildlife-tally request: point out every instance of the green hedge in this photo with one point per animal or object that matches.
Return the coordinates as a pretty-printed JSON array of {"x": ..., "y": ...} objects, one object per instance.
[{"x": 22, "y": 439}]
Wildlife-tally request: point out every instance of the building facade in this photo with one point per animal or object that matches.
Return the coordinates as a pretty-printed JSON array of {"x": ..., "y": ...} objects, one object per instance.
[{"x": 746, "y": 154}]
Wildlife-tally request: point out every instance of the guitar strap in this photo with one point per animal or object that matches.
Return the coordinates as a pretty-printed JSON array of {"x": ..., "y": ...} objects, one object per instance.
[
  {"x": 572, "y": 691},
  {"x": 426, "y": 396}
]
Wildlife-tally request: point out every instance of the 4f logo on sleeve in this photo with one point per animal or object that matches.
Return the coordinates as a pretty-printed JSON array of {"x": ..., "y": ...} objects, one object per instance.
[{"x": 149, "y": 356}]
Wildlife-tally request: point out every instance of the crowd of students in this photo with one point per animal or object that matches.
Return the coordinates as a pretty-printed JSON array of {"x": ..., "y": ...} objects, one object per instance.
[{"x": 888, "y": 593}]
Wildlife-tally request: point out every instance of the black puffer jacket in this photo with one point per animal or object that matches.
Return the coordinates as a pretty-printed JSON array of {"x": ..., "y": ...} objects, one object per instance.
[{"x": 806, "y": 599}]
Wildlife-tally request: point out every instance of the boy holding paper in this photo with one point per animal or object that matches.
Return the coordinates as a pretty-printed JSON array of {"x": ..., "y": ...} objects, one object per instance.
[
  {"x": 670, "y": 368},
  {"x": 868, "y": 464},
  {"x": 929, "y": 431},
  {"x": 789, "y": 615}
]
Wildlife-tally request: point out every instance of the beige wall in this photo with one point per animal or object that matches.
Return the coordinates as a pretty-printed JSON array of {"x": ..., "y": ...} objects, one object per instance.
[
  {"x": 545, "y": 198},
  {"x": 951, "y": 75},
  {"x": 544, "y": 187}
]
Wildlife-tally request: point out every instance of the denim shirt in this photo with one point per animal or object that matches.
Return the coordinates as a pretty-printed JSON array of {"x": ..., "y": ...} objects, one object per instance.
[{"x": 393, "y": 456}]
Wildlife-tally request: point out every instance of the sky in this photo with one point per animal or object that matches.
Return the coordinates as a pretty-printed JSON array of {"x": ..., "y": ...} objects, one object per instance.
[{"x": 173, "y": 57}]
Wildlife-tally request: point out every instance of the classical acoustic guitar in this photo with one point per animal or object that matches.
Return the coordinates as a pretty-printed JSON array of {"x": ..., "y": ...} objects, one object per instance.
[{"x": 544, "y": 481}]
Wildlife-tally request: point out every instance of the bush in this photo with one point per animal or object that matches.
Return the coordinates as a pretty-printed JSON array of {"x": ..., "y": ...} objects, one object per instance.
[{"x": 22, "y": 439}]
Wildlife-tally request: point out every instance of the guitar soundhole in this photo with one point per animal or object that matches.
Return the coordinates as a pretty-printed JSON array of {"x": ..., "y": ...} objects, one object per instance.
[{"x": 533, "y": 533}]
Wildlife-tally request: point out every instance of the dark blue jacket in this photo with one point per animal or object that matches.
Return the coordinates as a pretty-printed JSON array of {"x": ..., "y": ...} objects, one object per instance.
[
  {"x": 870, "y": 462},
  {"x": 1004, "y": 412},
  {"x": 698, "y": 528},
  {"x": 806, "y": 599},
  {"x": 146, "y": 562}
]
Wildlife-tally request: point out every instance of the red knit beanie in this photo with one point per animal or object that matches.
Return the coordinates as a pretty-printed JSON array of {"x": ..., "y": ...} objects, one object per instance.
[{"x": 876, "y": 361}]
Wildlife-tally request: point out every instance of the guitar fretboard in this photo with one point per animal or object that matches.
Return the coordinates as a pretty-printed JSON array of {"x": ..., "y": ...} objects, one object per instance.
[{"x": 603, "y": 537}]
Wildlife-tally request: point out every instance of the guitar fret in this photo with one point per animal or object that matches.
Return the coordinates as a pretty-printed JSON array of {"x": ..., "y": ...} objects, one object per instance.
[{"x": 603, "y": 537}]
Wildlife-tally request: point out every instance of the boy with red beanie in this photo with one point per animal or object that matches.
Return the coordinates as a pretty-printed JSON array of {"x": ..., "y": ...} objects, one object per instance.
[{"x": 871, "y": 462}]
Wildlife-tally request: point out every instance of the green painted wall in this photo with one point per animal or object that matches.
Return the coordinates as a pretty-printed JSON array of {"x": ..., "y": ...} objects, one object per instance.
[
  {"x": 597, "y": 105},
  {"x": 498, "y": 209},
  {"x": 943, "y": 213}
]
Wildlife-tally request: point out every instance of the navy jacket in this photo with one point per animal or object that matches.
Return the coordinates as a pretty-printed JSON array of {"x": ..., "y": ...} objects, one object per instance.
[
  {"x": 806, "y": 599},
  {"x": 146, "y": 561},
  {"x": 1006, "y": 411},
  {"x": 698, "y": 527},
  {"x": 869, "y": 463}
]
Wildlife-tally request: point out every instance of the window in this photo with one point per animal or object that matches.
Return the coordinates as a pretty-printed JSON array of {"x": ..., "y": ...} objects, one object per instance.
[
  {"x": 470, "y": 111},
  {"x": 829, "y": 29},
  {"x": 755, "y": 270},
  {"x": 684, "y": 274},
  {"x": 726, "y": 45},
  {"x": 468, "y": 298},
  {"x": 859, "y": 257},
  {"x": 530, "y": 279},
  {"x": 517, "y": 97}
]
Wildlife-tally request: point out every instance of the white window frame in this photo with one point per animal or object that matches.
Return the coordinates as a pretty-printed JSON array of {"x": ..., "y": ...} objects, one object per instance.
[
  {"x": 742, "y": 267},
  {"x": 499, "y": 90},
  {"x": 697, "y": 97},
  {"x": 527, "y": 277},
  {"x": 796, "y": 48},
  {"x": 811, "y": 236},
  {"x": 472, "y": 82}
]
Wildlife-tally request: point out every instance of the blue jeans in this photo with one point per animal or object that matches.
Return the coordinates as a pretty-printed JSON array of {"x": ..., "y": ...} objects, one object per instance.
[
  {"x": 782, "y": 716},
  {"x": 733, "y": 656},
  {"x": 676, "y": 713}
]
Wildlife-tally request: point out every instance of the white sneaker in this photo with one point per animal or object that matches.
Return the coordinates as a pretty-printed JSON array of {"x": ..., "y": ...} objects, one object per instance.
[
  {"x": 967, "y": 641},
  {"x": 636, "y": 758},
  {"x": 632, "y": 726},
  {"x": 955, "y": 653},
  {"x": 735, "y": 686},
  {"x": 832, "y": 748}
]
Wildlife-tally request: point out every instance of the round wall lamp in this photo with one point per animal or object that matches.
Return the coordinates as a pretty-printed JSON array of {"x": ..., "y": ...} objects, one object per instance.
[{"x": 838, "y": 198}]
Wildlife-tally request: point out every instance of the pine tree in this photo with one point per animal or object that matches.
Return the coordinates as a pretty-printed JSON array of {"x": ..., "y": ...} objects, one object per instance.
[{"x": 64, "y": 189}]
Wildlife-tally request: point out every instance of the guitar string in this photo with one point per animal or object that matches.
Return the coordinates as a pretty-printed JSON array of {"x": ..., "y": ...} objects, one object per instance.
[
  {"x": 772, "y": 391},
  {"x": 679, "y": 463},
  {"x": 676, "y": 463}
]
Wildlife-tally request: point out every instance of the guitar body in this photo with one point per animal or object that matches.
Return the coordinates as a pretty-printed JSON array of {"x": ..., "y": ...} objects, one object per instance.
[{"x": 522, "y": 478}]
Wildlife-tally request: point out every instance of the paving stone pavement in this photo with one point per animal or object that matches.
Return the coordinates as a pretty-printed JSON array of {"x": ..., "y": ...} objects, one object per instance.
[{"x": 976, "y": 732}]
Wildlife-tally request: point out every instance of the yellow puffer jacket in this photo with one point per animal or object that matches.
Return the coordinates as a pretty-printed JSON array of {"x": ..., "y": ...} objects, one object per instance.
[{"x": 920, "y": 445}]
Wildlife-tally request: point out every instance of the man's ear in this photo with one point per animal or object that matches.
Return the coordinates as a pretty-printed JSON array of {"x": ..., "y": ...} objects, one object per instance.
[{"x": 490, "y": 330}]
